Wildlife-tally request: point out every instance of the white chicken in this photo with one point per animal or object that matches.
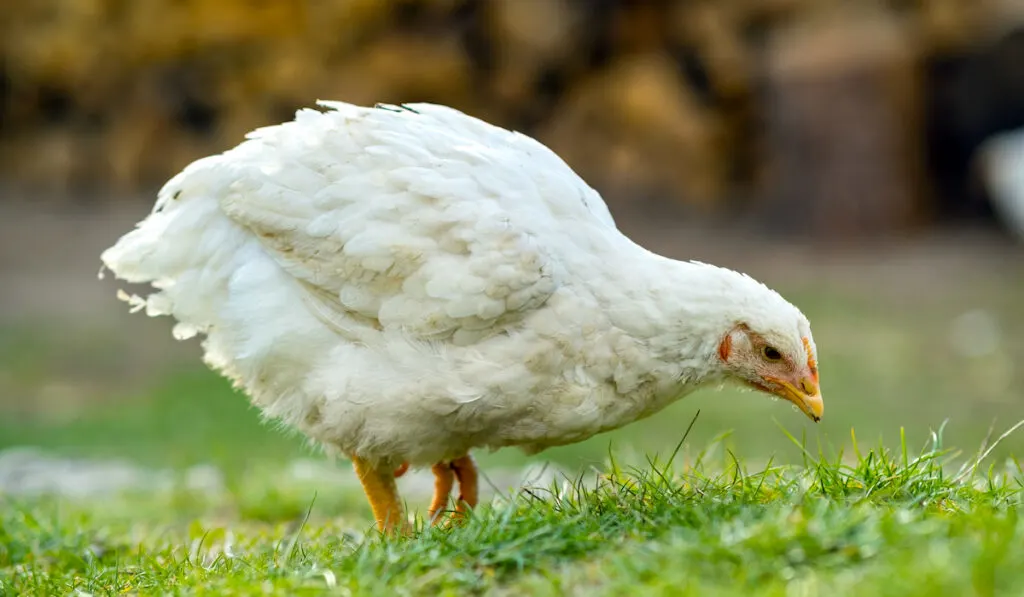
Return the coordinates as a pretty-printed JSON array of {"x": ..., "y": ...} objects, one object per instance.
[{"x": 404, "y": 284}]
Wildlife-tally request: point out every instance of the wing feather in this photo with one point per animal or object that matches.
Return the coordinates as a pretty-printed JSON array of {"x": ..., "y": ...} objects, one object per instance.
[{"x": 419, "y": 219}]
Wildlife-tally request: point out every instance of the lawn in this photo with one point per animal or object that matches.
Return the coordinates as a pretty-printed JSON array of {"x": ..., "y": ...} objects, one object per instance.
[
  {"x": 755, "y": 501},
  {"x": 885, "y": 524}
]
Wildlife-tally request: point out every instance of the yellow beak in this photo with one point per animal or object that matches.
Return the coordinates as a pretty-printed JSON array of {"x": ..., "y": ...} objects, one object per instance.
[{"x": 807, "y": 397}]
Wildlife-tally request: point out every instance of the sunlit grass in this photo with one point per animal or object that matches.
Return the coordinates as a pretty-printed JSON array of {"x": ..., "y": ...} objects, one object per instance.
[{"x": 874, "y": 522}]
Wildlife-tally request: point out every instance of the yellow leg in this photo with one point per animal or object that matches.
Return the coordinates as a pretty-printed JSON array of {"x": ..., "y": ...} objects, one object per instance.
[
  {"x": 444, "y": 479},
  {"x": 382, "y": 492},
  {"x": 469, "y": 488}
]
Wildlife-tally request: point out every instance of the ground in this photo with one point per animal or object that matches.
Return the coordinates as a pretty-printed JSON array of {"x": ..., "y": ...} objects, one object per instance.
[{"x": 129, "y": 468}]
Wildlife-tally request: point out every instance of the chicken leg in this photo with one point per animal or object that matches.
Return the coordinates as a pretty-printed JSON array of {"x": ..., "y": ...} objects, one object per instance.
[
  {"x": 466, "y": 473},
  {"x": 444, "y": 479},
  {"x": 382, "y": 493},
  {"x": 445, "y": 474}
]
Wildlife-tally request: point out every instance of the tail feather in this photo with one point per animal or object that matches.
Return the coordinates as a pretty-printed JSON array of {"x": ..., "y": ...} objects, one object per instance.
[{"x": 185, "y": 242}]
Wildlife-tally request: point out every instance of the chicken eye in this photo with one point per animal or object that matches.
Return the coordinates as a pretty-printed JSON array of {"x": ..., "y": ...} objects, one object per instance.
[{"x": 770, "y": 353}]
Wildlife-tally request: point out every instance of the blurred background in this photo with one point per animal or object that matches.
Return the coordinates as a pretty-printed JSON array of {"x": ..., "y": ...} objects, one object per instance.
[{"x": 864, "y": 157}]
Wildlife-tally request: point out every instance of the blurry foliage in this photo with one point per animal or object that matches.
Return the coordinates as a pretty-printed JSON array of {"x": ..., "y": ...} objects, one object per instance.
[{"x": 660, "y": 97}]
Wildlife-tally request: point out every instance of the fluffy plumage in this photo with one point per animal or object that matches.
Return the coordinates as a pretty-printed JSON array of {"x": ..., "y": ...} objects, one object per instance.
[{"x": 406, "y": 283}]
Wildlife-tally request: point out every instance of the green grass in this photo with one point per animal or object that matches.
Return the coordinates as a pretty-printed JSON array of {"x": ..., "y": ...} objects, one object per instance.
[{"x": 873, "y": 523}]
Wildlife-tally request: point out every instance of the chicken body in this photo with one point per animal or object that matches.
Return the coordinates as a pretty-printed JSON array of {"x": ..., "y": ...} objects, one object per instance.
[{"x": 406, "y": 283}]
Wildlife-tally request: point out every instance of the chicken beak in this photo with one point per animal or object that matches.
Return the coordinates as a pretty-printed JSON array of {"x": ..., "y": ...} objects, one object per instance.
[{"x": 807, "y": 397}]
